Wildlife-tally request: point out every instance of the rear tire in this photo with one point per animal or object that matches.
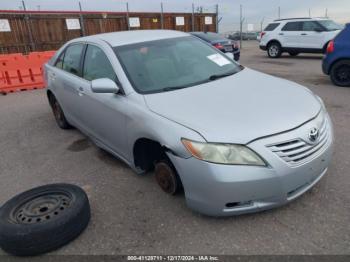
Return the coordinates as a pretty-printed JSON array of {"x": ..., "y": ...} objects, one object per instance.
[
  {"x": 274, "y": 50},
  {"x": 58, "y": 113},
  {"x": 340, "y": 73}
]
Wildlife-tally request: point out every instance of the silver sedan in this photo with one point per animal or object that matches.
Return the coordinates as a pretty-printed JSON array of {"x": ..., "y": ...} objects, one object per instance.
[{"x": 233, "y": 139}]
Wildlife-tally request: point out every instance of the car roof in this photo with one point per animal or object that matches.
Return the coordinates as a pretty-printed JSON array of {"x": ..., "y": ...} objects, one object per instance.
[
  {"x": 300, "y": 19},
  {"x": 132, "y": 37}
]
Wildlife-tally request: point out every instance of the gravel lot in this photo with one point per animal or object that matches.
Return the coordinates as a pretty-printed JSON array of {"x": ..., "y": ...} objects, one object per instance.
[{"x": 130, "y": 213}]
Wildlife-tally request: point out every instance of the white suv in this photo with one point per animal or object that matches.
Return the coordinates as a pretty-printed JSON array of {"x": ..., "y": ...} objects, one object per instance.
[{"x": 298, "y": 35}]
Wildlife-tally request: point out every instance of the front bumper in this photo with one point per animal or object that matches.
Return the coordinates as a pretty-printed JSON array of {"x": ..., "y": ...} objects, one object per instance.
[{"x": 225, "y": 190}]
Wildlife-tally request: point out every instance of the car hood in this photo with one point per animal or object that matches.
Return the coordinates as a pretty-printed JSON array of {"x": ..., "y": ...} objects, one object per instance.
[{"x": 239, "y": 108}]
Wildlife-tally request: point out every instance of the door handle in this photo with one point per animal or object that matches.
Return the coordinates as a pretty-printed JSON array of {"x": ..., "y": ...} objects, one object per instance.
[
  {"x": 281, "y": 34},
  {"x": 303, "y": 34}
]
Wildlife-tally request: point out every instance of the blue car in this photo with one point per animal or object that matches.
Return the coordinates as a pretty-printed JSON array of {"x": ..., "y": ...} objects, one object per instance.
[{"x": 336, "y": 63}]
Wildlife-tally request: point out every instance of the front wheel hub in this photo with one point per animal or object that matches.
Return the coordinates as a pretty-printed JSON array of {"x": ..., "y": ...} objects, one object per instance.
[{"x": 166, "y": 178}]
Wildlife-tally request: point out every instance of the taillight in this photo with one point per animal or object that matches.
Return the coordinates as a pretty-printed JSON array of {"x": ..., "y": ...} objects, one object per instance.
[
  {"x": 219, "y": 46},
  {"x": 262, "y": 34},
  {"x": 330, "y": 47}
]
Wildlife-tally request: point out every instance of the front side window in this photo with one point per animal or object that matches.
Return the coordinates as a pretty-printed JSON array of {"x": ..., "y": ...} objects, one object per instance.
[
  {"x": 311, "y": 26},
  {"x": 97, "y": 65},
  {"x": 164, "y": 65},
  {"x": 71, "y": 61},
  {"x": 292, "y": 26},
  {"x": 272, "y": 27}
]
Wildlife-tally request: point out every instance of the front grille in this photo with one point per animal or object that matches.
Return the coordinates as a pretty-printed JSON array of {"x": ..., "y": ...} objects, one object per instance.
[{"x": 297, "y": 151}]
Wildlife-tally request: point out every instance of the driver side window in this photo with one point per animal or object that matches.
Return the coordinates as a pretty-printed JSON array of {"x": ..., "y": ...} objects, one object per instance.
[{"x": 97, "y": 65}]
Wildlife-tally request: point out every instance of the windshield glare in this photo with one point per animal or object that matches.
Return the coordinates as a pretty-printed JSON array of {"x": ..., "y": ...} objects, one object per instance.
[
  {"x": 330, "y": 25},
  {"x": 167, "y": 64}
]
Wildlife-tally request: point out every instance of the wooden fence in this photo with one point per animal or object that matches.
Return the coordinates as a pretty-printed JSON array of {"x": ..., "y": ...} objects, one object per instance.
[{"x": 27, "y": 31}]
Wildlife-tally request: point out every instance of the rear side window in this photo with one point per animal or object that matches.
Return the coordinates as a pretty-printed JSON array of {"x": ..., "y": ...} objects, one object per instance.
[
  {"x": 293, "y": 26},
  {"x": 59, "y": 61},
  {"x": 71, "y": 61},
  {"x": 97, "y": 65},
  {"x": 311, "y": 26},
  {"x": 272, "y": 27}
]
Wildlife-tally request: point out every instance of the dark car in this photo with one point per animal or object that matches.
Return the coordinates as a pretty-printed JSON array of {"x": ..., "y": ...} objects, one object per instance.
[
  {"x": 336, "y": 62},
  {"x": 223, "y": 44}
]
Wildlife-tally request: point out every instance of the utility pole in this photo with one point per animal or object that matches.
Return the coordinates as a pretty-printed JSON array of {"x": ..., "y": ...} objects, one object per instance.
[
  {"x": 161, "y": 16},
  {"x": 310, "y": 12},
  {"x": 241, "y": 20},
  {"x": 127, "y": 15},
  {"x": 326, "y": 13},
  {"x": 193, "y": 17},
  {"x": 217, "y": 17},
  {"x": 81, "y": 20}
]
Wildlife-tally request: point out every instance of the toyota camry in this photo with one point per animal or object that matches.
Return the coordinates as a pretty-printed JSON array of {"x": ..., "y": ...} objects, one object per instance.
[{"x": 233, "y": 139}]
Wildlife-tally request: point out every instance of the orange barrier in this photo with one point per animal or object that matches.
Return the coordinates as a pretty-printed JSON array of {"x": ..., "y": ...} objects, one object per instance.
[{"x": 22, "y": 72}]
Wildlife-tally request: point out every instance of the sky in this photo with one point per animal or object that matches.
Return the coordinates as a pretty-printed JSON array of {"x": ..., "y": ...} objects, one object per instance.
[{"x": 254, "y": 11}]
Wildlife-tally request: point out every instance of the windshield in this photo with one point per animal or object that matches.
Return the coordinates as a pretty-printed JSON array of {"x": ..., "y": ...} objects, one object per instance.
[
  {"x": 169, "y": 64},
  {"x": 330, "y": 25}
]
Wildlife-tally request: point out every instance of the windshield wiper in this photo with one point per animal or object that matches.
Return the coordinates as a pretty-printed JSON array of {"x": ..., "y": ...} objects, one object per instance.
[
  {"x": 214, "y": 77},
  {"x": 171, "y": 88}
]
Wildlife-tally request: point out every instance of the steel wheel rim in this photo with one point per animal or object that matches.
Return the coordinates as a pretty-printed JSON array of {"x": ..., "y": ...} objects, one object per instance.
[{"x": 42, "y": 207}]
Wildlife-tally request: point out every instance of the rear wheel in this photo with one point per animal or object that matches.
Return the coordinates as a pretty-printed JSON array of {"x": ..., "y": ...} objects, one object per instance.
[
  {"x": 167, "y": 178},
  {"x": 58, "y": 113},
  {"x": 340, "y": 73},
  {"x": 274, "y": 50}
]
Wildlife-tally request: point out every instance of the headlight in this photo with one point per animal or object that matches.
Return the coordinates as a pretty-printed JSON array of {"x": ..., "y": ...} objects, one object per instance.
[{"x": 228, "y": 154}]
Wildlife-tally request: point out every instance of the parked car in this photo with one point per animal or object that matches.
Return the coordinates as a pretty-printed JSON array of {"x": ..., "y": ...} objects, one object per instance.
[
  {"x": 336, "y": 63},
  {"x": 245, "y": 36},
  {"x": 298, "y": 35},
  {"x": 236, "y": 140},
  {"x": 220, "y": 42}
]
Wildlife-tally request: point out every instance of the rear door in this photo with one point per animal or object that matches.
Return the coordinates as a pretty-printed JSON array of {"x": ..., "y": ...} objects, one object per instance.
[
  {"x": 312, "y": 35},
  {"x": 290, "y": 35},
  {"x": 70, "y": 80}
]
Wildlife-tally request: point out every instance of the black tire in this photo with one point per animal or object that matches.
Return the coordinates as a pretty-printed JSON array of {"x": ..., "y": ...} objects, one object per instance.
[
  {"x": 293, "y": 53},
  {"x": 58, "y": 113},
  {"x": 167, "y": 177},
  {"x": 274, "y": 50},
  {"x": 340, "y": 73},
  {"x": 43, "y": 219}
]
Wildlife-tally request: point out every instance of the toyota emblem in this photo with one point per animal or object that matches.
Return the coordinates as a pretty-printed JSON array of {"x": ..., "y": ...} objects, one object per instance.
[{"x": 314, "y": 134}]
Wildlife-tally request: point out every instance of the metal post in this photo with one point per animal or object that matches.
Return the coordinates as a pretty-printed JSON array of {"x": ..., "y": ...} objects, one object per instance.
[
  {"x": 193, "y": 17},
  {"x": 82, "y": 21},
  {"x": 127, "y": 15},
  {"x": 217, "y": 17},
  {"x": 309, "y": 12},
  {"x": 26, "y": 17},
  {"x": 161, "y": 15},
  {"x": 279, "y": 12},
  {"x": 240, "y": 25},
  {"x": 261, "y": 24}
]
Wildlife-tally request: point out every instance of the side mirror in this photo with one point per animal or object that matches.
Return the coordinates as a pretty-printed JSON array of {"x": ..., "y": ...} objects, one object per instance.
[
  {"x": 104, "y": 85},
  {"x": 318, "y": 30}
]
